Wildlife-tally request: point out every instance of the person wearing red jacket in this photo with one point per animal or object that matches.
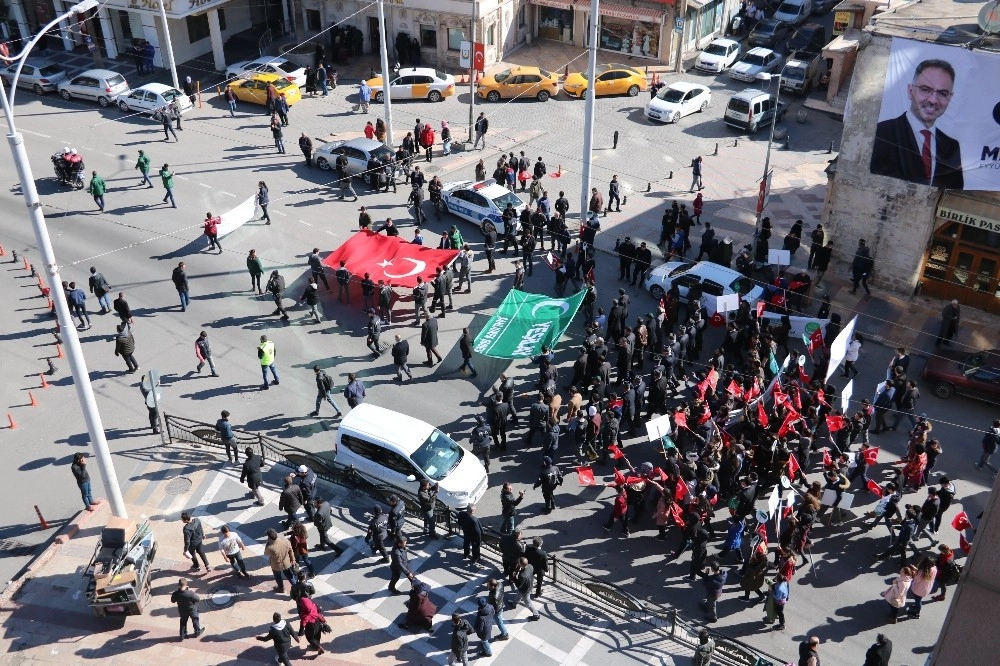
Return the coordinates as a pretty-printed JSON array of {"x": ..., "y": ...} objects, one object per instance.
[
  {"x": 619, "y": 510},
  {"x": 697, "y": 207},
  {"x": 311, "y": 622},
  {"x": 369, "y": 130},
  {"x": 427, "y": 140},
  {"x": 212, "y": 231}
]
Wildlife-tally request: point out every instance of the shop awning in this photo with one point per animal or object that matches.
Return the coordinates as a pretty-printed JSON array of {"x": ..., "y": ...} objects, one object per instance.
[
  {"x": 645, "y": 14},
  {"x": 695, "y": 4},
  {"x": 558, "y": 4},
  {"x": 981, "y": 211}
]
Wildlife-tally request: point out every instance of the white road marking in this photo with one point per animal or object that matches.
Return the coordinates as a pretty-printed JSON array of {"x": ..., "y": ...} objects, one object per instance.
[
  {"x": 302, "y": 221},
  {"x": 205, "y": 185},
  {"x": 228, "y": 194},
  {"x": 181, "y": 177},
  {"x": 278, "y": 212},
  {"x": 44, "y": 136}
]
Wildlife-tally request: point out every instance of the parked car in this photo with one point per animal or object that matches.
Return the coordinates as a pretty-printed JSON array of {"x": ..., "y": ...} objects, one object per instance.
[
  {"x": 267, "y": 65},
  {"x": 358, "y": 153},
  {"x": 253, "y": 89},
  {"x": 769, "y": 33},
  {"x": 518, "y": 82},
  {"x": 415, "y": 83},
  {"x": 41, "y": 76},
  {"x": 715, "y": 280},
  {"x": 611, "y": 80},
  {"x": 403, "y": 451},
  {"x": 718, "y": 56},
  {"x": 755, "y": 61},
  {"x": 481, "y": 203},
  {"x": 152, "y": 98},
  {"x": 98, "y": 85},
  {"x": 794, "y": 12},
  {"x": 677, "y": 100},
  {"x": 752, "y": 109},
  {"x": 975, "y": 375},
  {"x": 809, "y": 37}
]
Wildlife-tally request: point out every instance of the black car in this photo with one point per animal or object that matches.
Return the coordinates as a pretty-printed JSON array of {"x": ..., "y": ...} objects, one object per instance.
[{"x": 769, "y": 33}]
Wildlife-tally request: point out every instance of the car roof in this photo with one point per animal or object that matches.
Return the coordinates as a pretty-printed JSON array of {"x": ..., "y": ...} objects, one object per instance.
[
  {"x": 685, "y": 86},
  {"x": 759, "y": 50},
  {"x": 489, "y": 191},
  {"x": 724, "y": 42},
  {"x": 614, "y": 66},
  {"x": 430, "y": 71},
  {"x": 768, "y": 23},
  {"x": 404, "y": 432},
  {"x": 363, "y": 143},
  {"x": 154, "y": 87},
  {"x": 702, "y": 269},
  {"x": 267, "y": 78},
  {"x": 101, "y": 73},
  {"x": 524, "y": 69}
]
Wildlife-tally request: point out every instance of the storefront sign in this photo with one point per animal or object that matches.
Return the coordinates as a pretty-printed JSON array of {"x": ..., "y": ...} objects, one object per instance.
[
  {"x": 174, "y": 9},
  {"x": 628, "y": 13},
  {"x": 558, "y": 4},
  {"x": 952, "y": 215},
  {"x": 841, "y": 22}
]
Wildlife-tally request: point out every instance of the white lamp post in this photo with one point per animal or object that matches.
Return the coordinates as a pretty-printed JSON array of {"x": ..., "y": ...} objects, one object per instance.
[{"x": 74, "y": 353}]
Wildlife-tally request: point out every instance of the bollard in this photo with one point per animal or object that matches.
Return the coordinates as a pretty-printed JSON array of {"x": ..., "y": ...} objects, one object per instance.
[
  {"x": 671, "y": 176},
  {"x": 716, "y": 150},
  {"x": 736, "y": 142},
  {"x": 649, "y": 187},
  {"x": 45, "y": 525},
  {"x": 566, "y": 71},
  {"x": 52, "y": 367},
  {"x": 41, "y": 285},
  {"x": 14, "y": 254},
  {"x": 52, "y": 306},
  {"x": 31, "y": 398},
  {"x": 624, "y": 199},
  {"x": 31, "y": 267},
  {"x": 615, "y": 147},
  {"x": 828, "y": 152},
  {"x": 788, "y": 141},
  {"x": 45, "y": 384},
  {"x": 59, "y": 351}
]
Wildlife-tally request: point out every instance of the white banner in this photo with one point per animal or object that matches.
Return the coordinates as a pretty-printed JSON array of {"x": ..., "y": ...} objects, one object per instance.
[
  {"x": 845, "y": 398},
  {"x": 838, "y": 348},
  {"x": 237, "y": 217}
]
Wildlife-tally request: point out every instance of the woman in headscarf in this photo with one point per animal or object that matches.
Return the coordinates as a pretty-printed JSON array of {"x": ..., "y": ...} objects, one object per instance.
[
  {"x": 311, "y": 622},
  {"x": 446, "y": 137}
]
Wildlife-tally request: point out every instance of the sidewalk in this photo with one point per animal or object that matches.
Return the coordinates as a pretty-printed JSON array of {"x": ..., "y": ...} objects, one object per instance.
[{"x": 48, "y": 621}]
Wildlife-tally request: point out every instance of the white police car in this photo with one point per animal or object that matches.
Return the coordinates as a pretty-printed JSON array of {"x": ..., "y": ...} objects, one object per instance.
[{"x": 481, "y": 203}]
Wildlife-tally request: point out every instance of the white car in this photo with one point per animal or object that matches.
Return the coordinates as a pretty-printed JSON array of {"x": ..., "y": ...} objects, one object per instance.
[
  {"x": 414, "y": 83},
  {"x": 715, "y": 280},
  {"x": 99, "y": 85},
  {"x": 481, "y": 203},
  {"x": 292, "y": 71},
  {"x": 677, "y": 100},
  {"x": 756, "y": 61},
  {"x": 153, "y": 98},
  {"x": 358, "y": 152},
  {"x": 718, "y": 56}
]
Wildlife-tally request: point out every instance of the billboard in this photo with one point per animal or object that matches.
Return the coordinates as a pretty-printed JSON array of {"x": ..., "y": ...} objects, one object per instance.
[{"x": 939, "y": 123}]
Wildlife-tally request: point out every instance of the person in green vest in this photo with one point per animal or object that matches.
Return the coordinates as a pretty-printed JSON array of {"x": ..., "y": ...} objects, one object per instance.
[
  {"x": 168, "y": 184},
  {"x": 97, "y": 189},
  {"x": 142, "y": 166},
  {"x": 266, "y": 354},
  {"x": 455, "y": 236}
]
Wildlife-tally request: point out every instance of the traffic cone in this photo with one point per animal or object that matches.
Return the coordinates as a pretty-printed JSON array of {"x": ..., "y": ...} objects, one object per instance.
[
  {"x": 10, "y": 418},
  {"x": 59, "y": 351},
  {"x": 31, "y": 397},
  {"x": 26, "y": 267},
  {"x": 2, "y": 251},
  {"x": 45, "y": 384}
]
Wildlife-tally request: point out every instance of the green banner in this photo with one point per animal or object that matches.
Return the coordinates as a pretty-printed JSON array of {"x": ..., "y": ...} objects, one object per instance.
[{"x": 524, "y": 322}]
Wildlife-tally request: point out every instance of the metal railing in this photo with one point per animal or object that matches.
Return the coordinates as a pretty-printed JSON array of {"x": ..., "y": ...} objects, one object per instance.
[{"x": 610, "y": 597}]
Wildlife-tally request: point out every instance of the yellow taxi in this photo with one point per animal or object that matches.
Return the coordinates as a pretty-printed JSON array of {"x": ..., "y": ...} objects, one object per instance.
[
  {"x": 414, "y": 83},
  {"x": 253, "y": 89},
  {"x": 611, "y": 80},
  {"x": 518, "y": 82}
]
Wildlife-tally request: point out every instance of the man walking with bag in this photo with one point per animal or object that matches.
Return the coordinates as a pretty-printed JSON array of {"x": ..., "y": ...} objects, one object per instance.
[
  {"x": 187, "y": 606},
  {"x": 324, "y": 391}
]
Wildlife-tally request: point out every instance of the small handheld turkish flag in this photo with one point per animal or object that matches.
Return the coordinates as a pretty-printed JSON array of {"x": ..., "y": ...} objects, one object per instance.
[
  {"x": 678, "y": 515},
  {"x": 827, "y": 460},
  {"x": 616, "y": 453},
  {"x": 875, "y": 489},
  {"x": 834, "y": 422},
  {"x": 586, "y": 475},
  {"x": 735, "y": 389},
  {"x": 793, "y": 467},
  {"x": 871, "y": 455},
  {"x": 961, "y": 522},
  {"x": 680, "y": 490},
  {"x": 964, "y": 544},
  {"x": 761, "y": 414}
]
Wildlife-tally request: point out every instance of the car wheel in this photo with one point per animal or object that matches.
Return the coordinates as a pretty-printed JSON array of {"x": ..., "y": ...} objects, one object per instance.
[
  {"x": 656, "y": 291},
  {"x": 38, "y": 89},
  {"x": 435, "y": 96},
  {"x": 156, "y": 117},
  {"x": 676, "y": 118},
  {"x": 543, "y": 96},
  {"x": 379, "y": 97},
  {"x": 66, "y": 96},
  {"x": 103, "y": 101},
  {"x": 123, "y": 106},
  {"x": 366, "y": 178},
  {"x": 493, "y": 96},
  {"x": 944, "y": 390},
  {"x": 487, "y": 227},
  {"x": 322, "y": 163},
  {"x": 704, "y": 105},
  {"x": 633, "y": 90}
]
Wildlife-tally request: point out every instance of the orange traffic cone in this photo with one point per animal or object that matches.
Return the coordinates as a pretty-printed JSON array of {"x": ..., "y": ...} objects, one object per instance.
[
  {"x": 10, "y": 418},
  {"x": 45, "y": 384},
  {"x": 59, "y": 351},
  {"x": 26, "y": 267},
  {"x": 2, "y": 251},
  {"x": 31, "y": 397}
]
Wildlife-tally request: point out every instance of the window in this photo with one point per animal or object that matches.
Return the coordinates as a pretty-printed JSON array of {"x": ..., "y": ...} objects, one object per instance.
[
  {"x": 491, "y": 34},
  {"x": 522, "y": 15},
  {"x": 455, "y": 39},
  {"x": 312, "y": 20},
  {"x": 428, "y": 36},
  {"x": 366, "y": 450},
  {"x": 398, "y": 464},
  {"x": 198, "y": 26}
]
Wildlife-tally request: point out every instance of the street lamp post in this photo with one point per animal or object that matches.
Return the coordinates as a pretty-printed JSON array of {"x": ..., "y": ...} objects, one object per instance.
[
  {"x": 765, "y": 182},
  {"x": 386, "y": 101},
  {"x": 74, "y": 353},
  {"x": 588, "y": 125}
]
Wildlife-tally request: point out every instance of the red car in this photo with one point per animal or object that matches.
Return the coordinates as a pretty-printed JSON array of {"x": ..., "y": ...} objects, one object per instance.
[{"x": 975, "y": 375}]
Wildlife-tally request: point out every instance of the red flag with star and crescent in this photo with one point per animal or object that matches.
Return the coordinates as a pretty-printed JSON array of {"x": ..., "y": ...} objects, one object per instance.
[
  {"x": 761, "y": 414},
  {"x": 871, "y": 455},
  {"x": 875, "y": 489},
  {"x": 964, "y": 544},
  {"x": 792, "y": 466},
  {"x": 677, "y": 513},
  {"x": 389, "y": 258},
  {"x": 735, "y": 389},
  {"x": 834, "y": 422},
  {"x": 827, "y": 460},
  {"x": 961, "y": 522}
]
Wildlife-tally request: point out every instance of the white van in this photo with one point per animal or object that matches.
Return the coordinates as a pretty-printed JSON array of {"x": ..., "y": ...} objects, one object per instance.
[
  {"x": 401, "y": 451},
  {"x": 794, "y": 12}
]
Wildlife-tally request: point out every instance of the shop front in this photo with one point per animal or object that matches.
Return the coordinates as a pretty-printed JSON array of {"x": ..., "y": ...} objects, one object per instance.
[
  {"x": 554, "y": 20},
  {"x": 632, "y": 31},
  {"x": 963, "y": 260}
]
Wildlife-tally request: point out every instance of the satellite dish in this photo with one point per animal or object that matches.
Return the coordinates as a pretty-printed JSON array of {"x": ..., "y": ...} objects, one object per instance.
[{"x": 989, "y": 18}]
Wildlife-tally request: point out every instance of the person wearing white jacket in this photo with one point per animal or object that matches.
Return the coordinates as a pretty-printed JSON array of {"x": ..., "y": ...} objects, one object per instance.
[{"x": 851, "y": 357}]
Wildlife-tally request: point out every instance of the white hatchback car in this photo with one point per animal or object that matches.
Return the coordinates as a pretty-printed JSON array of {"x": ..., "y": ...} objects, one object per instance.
[
  {"x": 718, "y": 56},
  {"x": 98, "y": 85},
  {"x": 292, "y": 71},
  {"x": 715, "y": 280},
  {"x": 153, "y": 98},
  {"x": 677, "y": 100},
  {"x": 401, "y": 451},
  {"x": 481, "y": 203}
]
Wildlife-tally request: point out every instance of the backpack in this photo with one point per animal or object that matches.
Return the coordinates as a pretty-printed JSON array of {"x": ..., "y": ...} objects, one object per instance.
[
  {"x": 276, "y": 285},
  {"x": 101, "y": 285},
  {"x": 327, "y": 382},
  {"x": 950, "y": 573}
]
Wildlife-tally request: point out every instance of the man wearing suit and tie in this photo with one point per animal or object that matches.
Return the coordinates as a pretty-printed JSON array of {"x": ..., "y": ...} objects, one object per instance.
[{"x": 909, "y": 147}]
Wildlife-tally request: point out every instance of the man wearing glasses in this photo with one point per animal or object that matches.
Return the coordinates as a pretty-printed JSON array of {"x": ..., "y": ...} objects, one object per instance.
[{"x": 909, "y": 147}]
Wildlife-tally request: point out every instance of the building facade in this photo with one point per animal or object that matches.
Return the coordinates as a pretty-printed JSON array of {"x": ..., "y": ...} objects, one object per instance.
[{"x": 925, "y": 239}]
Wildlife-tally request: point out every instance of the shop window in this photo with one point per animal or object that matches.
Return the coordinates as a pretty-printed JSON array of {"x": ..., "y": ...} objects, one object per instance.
[
  {"x": 491, "y": 35},
  {"x": 455, "y": 39},
  {"x": 979, "y": 236},
  {"x": 428, "y": 36},
  {"x": 198, "y": 26},
  {"x": 313, "y": 20},
  {"x": 938, "y": 259}
]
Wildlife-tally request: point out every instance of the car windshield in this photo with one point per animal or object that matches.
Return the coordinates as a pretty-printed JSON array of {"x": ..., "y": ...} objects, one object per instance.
[
  {"x": 765, "y": 28},
  {"x": 716, "y": 49},
  {"x": 753, "y": 59},
  {"x": 788, "y": 8},
  {"x": 50, "y": 70},
  {"x": 382, "y": 153},
  {"x": 116, "y": 80},
  {"x": 441, "y": 76},
  {"x": 438, "y": 455},
  {"x": 979, "y": 359},
  {"x": 683, "y": 268},
  {"x": 544, "y": 73},
  {"x": 507, "y": 198},
  {"x": 500, "y": 77},
  {"x": 281, "y": 84},
  {"x": 169, "y": 94},
  {"x": 793, "y": 73},
  {"x": 741, "y": 286},
  {"x": 285, "y": 65},
  {"x": 671, "y": 95}
]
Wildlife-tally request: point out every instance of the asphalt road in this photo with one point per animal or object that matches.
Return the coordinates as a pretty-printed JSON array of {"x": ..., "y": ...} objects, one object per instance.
[{"x": 218, "y": 159}]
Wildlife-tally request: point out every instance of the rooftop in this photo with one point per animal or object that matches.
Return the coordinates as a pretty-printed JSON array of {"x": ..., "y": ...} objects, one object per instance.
[{"x": 941, "y": 21}]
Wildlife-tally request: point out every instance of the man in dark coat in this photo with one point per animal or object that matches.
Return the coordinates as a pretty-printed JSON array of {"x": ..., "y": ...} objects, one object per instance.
[
  {"x": 465, "y": 346},
  {"x": 861, "y": 268},
  {"x": 187, "y": 606},
  {"x": 429, "y": 339},
  {"x": 378, "y": 532},
  {"x": 539, "y": 561},
  {"x": 400, "y": 358},
  {"x": 949, "y": 323},
  {"x": 280, "y": 632},
  {"x": 290, "y": 500},
  {"x": 472, "y": 534},
  {"x": 880, "y": 652},
  {"x": 323, "y": 520},
  {"x": 549, "y": 479},
  {"x": 399, "y": 564},
  {"x": 511, "y": 550},
  {"x": 484, "y": 625},
  {"x": 460, "y": 630},
  {"x": 397, "y": 516},
  {"x": 251, "y": 474}
]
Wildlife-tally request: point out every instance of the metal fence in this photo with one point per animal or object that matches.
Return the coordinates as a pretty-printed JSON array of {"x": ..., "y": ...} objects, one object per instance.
[{"x": 610, "y": 597}]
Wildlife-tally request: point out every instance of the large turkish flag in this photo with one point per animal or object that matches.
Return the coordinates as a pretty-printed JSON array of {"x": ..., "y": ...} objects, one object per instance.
[{"x": 389, "y": 258}]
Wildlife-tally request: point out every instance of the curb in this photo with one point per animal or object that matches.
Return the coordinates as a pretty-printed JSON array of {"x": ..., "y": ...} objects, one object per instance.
[{"x": 70, "y": 530}]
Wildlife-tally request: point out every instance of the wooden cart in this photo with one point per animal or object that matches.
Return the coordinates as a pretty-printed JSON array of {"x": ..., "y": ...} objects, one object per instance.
[{"x": 120, "y": 573}]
